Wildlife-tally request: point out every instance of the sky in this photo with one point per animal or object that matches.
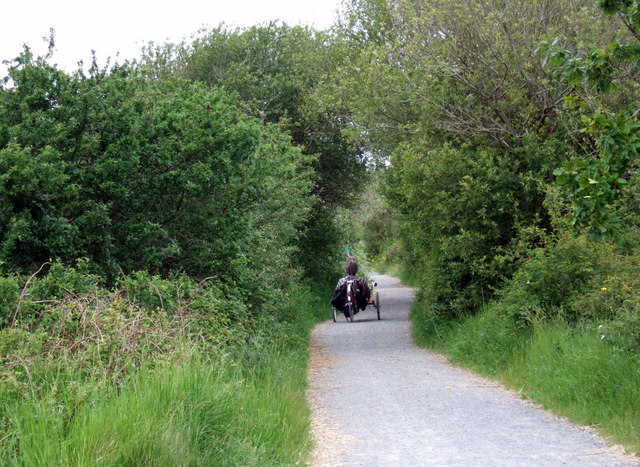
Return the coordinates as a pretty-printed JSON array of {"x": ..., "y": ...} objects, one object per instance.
[{"x": 112, "y": 27}]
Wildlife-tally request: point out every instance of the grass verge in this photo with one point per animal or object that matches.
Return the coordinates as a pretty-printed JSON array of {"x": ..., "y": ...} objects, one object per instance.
[
  {"x": 567, "y": 368},
  {"x": 245, "y": 407},
  {"x": 191, "y": 412}
]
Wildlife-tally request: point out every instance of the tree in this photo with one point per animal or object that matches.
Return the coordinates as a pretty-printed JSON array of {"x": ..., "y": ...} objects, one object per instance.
[
  {"x": 276, "y": 71},
  {"x": 455, "y": 94},
  {"x": 137, "y": 174},
  {"x": 598, "y": 179}
]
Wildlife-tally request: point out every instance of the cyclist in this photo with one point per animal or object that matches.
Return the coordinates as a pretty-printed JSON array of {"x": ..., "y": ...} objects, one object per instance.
[{"x": 339, "y": 298}]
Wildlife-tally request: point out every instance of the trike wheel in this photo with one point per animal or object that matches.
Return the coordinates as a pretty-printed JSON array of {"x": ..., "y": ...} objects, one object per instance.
[
  {"x": 334, "y": 314},
  {"x": 378, "y": 304},
  {"x": 351, "y": 312}
]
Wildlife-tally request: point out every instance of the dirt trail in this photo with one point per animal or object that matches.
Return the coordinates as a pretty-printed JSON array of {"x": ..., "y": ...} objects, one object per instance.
[{"x": 379, "y": 400}]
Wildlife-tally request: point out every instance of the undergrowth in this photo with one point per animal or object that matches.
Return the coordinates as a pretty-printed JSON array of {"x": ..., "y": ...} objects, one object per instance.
[
  {"x": 155, "y": 372},
  {"x": 567, "y": 368},
  {"x": 192, "y": 411},
  {"x": 564, "y": 333}
]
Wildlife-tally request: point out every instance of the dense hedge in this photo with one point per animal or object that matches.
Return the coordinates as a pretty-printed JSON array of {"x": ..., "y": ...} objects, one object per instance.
[
  {"x": 136, "y": 174},
  {"x": 150, "y": 224}
]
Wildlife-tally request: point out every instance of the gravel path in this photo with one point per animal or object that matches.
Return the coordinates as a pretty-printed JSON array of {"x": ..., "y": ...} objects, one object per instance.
[{"x": 379, "y": 400}]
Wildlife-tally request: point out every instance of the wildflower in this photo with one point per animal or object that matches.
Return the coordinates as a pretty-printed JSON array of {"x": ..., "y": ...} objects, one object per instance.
[{"x": 603, "y": 288}]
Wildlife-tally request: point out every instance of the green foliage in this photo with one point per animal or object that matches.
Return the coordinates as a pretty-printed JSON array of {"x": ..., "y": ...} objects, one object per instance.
[
  {"x": 599, "y": 178},
  {"x": 378, "y": 238},
  {"x": 551, "y": 279},
  {"x": 136, "y": 174},
  {"x": 275, "y": 70},
  {"x": 623, "y": 332},
  {"x": 91, "y": 361},
  {"x": 62, "y": 281},
  {"x": 367, "y": 22},
  {"x": 321, "y": 247},
  {"x": 8, "y": 299},
  {"x": 197, "y": 411},
  {"x": 595, "y": 184},
  {"x": 462, "y": 68},
  {"x": 192, "y": 212},
  {"x": 463, "y": 211},
  {"x": 376, "y": 221},
  {"x": 453, "y": 93},
  {"x": 579, "y": 281}
]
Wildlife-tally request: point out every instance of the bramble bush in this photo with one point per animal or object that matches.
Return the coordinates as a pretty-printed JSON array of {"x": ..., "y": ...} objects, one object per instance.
[
  {"x": 73, "y": 359},
  {"x": 550, "y": 280}
]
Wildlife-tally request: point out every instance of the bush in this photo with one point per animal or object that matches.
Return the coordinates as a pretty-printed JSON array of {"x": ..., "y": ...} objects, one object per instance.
[
  {"x": 464, "y": 210},
  {"x": 140, "y": 174},
  {"x": 551, "y": 279},
  {"x": 577, "y": 280},
  {"x": 9, "y": 291}
]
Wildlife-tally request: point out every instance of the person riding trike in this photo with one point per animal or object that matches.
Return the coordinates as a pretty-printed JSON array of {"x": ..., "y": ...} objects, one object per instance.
[{"x": 352, "y": 294}]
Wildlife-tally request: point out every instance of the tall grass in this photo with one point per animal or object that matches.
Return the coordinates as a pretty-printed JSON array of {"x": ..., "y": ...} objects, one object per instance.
[
  {"x": 567, "y": 368},
  {"x": 575, "y": 373},
  {"x": 193, "y": 412},
  {"x": 243, "y": 407}
]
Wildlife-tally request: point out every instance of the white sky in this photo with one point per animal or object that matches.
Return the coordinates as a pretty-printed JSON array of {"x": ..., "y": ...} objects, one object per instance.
[{"x": 120, "y": 26}]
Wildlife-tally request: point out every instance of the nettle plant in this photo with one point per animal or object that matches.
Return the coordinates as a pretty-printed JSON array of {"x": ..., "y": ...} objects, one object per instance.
[{"x": 603, "y": 89}]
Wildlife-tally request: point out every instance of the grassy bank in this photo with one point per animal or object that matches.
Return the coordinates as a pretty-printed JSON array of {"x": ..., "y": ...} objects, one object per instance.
[
  {"x": 571, "y": 369},
  {"x": 191, "y": 412},
  {"x": 109, "y": 381}
]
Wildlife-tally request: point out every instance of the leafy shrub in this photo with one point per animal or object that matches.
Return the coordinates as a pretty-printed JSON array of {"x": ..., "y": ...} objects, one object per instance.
[
  {"x": 578, "y": 280},
  {"x": 552, "y": 279},
  {"x": 464, "y": 210},
  {"x": 614, "y": 303},
  {"x": 28, "y": 298},
  {"x": 9, "y": 292},
  {"x": 140, "y": 174},
  {"x": 615, "y": 292},
  {"x": 623, "y": 332},
  {"x": 62, "y": 280},
  {"x": 154, "y": 293}
]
